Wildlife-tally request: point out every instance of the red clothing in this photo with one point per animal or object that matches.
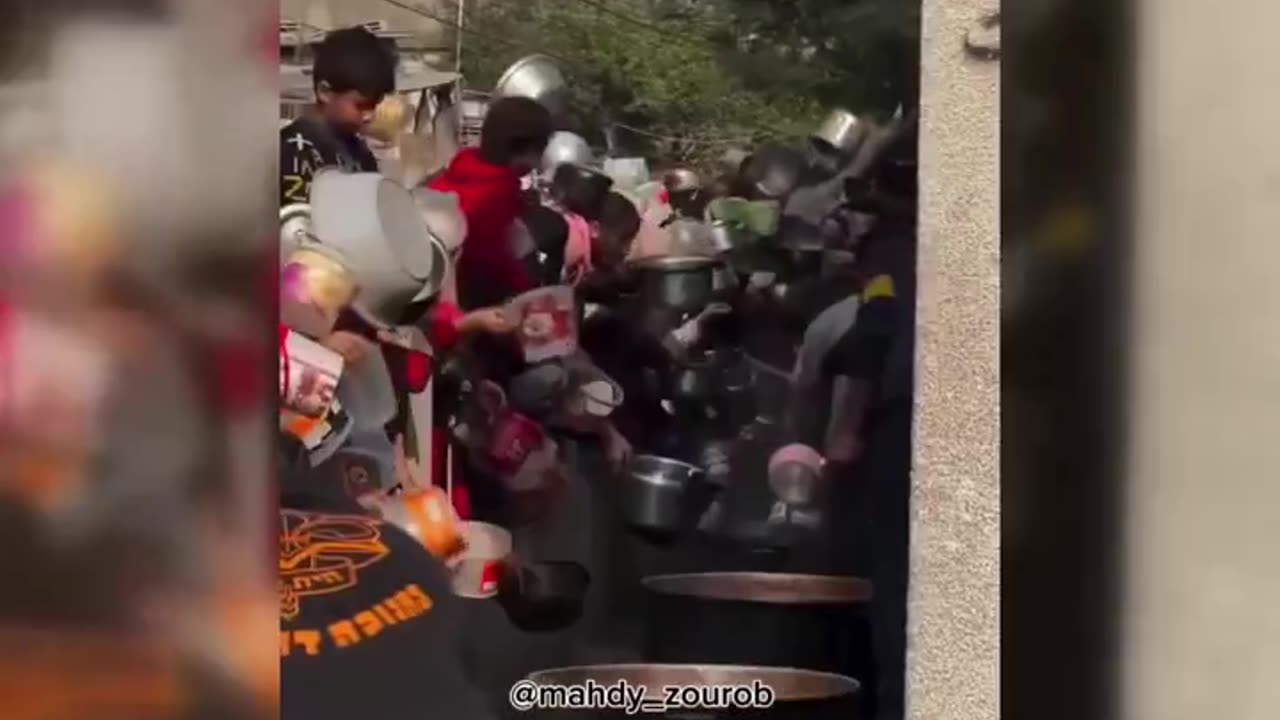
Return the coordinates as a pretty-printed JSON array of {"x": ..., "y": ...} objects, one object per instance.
[
  {"x": 491, "y": 201},
  {"x": 442, "y": 332}
]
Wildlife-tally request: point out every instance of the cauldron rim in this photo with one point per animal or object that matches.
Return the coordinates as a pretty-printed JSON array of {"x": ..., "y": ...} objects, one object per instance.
[{"x": 854, "y": 590}]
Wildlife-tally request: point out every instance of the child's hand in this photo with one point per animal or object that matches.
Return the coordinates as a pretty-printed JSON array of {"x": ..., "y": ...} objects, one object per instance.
[{"x": 491, "y": 321}]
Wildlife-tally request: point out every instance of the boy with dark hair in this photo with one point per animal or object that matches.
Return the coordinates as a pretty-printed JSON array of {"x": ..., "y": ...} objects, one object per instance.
[
  {"x": 353, "y": 72},
  {"x": 487, "y": 181}
]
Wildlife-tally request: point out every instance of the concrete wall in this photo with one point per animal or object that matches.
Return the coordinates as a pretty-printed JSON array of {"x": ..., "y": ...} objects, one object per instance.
[
  {"x": 953, "y": 658},
  {"x": 329, "y": 14},
  {"x": 1202, "y": 635}
]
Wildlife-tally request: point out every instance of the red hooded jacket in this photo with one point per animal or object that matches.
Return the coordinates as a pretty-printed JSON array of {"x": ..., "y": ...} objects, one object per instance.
[{"x": 490, "y": 198}]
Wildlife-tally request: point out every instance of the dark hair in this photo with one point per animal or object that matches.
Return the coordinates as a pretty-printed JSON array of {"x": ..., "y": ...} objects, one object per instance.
[
  {"x": 619, "y": 221},
  {"x": 514, "y": 126},
  {"x": 580, "y": 191},
  {"x": 355, "y": 59}
]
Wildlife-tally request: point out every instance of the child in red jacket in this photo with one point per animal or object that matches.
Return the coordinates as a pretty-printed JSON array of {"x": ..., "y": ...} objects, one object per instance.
[{"x": 487, "y": 181}]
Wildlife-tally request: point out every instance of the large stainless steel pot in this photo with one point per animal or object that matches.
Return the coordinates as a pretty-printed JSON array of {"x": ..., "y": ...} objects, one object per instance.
[
  {"x": 664, "y": 497},
  {"x": 376, "y": 225},
  {"x": 840, "y": 133},
  {"x": 536, "y": 77},
  {"x": 812, "y": 622},
  {"x": 682, "y": 283}
]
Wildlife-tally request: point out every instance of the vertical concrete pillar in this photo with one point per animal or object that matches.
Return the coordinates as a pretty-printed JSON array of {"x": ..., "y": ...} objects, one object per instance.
[
  {"x": 1203, "y": 631},
  {"x": 953, "y": 663}
]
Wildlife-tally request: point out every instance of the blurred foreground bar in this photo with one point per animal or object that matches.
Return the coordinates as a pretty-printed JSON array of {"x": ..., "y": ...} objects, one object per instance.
[
  {"x": 136, "y": 322},
  {"x": 1203, "y": 637}
]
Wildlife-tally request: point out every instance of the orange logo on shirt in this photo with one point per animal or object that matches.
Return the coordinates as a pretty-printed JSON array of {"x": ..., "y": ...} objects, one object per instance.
[{"x": 323, "y": 554}]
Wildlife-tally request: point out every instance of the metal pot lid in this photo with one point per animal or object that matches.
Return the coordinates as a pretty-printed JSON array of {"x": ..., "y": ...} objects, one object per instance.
[
  {"x": 767, "y": 588},
  {"x": 788, "y": 684}
]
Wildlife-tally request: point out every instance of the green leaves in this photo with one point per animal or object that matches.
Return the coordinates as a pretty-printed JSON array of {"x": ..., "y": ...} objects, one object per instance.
[{"x": 677, "y": 79}]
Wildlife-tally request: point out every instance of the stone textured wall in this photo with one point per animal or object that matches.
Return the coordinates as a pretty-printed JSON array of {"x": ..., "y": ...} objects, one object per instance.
[{"x": 953, "y": 662}]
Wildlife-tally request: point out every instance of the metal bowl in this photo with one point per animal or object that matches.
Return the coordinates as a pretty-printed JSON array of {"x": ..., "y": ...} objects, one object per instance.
[{"x": 536, "y": 77}]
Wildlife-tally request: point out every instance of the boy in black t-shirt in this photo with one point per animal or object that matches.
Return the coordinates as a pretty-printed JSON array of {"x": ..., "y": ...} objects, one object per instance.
[
  {"x": 352, "y": 73},
  {"x": 369, "y": 626}
]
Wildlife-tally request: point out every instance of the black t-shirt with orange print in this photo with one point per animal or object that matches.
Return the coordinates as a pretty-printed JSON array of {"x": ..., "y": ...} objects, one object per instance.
[{"x": 369, "y": 628}]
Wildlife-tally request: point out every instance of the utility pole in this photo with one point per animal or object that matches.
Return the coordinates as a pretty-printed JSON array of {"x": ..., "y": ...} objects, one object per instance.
[{"x": 462, "y": 17}]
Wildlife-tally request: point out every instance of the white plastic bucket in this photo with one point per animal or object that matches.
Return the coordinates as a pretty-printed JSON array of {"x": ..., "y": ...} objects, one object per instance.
[{"x": 480, "y": 565}]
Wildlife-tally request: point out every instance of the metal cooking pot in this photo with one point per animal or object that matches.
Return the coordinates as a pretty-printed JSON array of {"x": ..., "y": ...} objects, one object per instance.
[
  {"x": 840, "y": 133},
  {"x": 814, "y": 622},
  {"x": 681, "y": 283},
  {"x": 377, "y": 226},
  {"x": 681, "y": 180},
  {"x": 725, "y": 237},
  {"x": 663, "y": 497},
  {"x": 566, "y": 148},
  {"x": 295, "y": 225},
  {"x": 775, "y": 170},
  {"x": 691, "y": 238},
  {"x": 536, "y": 77}
]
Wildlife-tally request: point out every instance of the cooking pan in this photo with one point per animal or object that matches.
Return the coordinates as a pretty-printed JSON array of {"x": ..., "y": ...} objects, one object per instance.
[
  {"x": 814, "y": 622},
  {"x": 684, "y": 284},
  {"x": 790, "y": 693},
  {"x": 543, "y": 596}
]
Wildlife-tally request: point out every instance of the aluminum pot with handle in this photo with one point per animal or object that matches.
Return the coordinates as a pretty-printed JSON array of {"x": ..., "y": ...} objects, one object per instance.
[
  {"x": 378, "y": 228},
  {"x": 538, "y": 78},
  {"x": 840, "y": 133},
  {"x": 662, "y": 497},
  {"x": 681, "y": 283}
]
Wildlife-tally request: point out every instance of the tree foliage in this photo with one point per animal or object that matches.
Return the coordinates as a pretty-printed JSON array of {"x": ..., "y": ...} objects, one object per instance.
[{"x": 687, "y": 80}]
